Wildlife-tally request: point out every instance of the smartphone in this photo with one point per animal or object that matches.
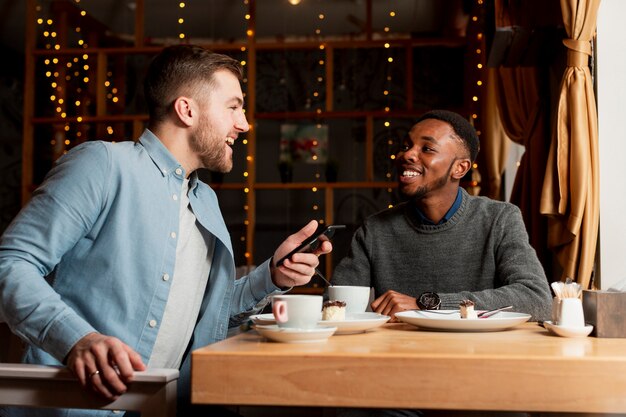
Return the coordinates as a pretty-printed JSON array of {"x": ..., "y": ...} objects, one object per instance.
[{"x": 314, "y": 241}]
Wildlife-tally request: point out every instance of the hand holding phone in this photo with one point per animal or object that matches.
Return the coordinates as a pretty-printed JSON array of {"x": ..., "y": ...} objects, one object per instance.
[{"x": 314, "y": 241}]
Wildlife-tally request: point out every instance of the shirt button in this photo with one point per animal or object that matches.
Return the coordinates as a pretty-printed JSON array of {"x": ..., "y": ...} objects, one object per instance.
[
  {"x": 173, "y": 235},
  {"x": 152, "y": 323},
  {"x": 179, "y": 171},
  {"x": 166, "y": 277},
  {"x": 174, "y": 197}
]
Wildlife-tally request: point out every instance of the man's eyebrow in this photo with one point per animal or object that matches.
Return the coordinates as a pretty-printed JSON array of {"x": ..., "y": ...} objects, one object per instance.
[
  {"x": 237, "y": 100},
  {"x": 430, "y": 139}
]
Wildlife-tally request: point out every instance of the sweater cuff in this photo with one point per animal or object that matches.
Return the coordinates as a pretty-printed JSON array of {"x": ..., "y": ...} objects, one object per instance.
[{"x": 450, "y": 301}]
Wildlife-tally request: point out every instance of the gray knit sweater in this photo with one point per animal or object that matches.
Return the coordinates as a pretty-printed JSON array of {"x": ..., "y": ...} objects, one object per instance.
[{"x": 482, "y": 254}]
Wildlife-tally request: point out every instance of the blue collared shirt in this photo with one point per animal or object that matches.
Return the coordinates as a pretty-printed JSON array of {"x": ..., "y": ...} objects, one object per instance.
[
  {"x": 447, "y": 216},
  {"x": 102, "y": 229}
]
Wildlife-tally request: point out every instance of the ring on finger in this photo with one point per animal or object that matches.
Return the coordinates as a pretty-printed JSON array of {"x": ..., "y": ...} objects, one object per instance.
[{"x": 94, "y": 373}]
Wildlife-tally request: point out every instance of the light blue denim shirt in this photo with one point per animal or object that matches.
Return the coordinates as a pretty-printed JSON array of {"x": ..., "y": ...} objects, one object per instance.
[{"x": 102, "y": 229}]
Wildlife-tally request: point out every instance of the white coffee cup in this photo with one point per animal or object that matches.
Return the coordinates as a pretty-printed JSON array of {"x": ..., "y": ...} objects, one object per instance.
[
  {"x": 356, "y": 297},
  {"x": 297, "y": 311},
  {"x": 571, "y": 313}
]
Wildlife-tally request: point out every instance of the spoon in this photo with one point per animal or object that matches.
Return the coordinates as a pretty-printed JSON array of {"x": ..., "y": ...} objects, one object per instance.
[
  {"x": 482, "y": 314},
  {"x": 489, "y": 313},
  {"x": 319, "y": 274}
]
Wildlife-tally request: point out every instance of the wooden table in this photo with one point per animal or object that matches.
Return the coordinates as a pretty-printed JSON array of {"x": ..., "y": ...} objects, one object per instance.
[{"x": 400, "y": 366}]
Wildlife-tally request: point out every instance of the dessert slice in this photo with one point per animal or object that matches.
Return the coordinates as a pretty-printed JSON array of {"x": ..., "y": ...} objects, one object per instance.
[
  {"x": 466, "y": 308},
  {"x": 334, "y": 310}
]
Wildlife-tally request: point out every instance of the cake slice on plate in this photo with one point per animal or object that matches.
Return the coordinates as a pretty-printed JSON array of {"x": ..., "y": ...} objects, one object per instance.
[
  {"x": 334, "y": 310},
  {"x": 466, "y": 307}
]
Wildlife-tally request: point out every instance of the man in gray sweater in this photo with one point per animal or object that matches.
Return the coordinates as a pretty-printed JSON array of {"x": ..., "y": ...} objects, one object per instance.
[{"x": 442, "y": 245}]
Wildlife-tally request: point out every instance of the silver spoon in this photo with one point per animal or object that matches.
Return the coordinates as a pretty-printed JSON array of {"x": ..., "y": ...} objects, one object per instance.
[
  {"x": 482, "y": 314},
  {"x": 489, "y": 313},
  {"x": 319, "y": 274}
]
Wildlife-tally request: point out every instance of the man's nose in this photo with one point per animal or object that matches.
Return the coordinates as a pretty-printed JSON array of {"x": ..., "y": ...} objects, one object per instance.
[
  {"x": 410, "y": 154},
  {"x": 241, "y": 124}
]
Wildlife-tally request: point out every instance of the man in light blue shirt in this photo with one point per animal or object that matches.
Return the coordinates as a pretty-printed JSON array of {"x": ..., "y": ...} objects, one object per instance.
[{"x": 122, "y": 258}]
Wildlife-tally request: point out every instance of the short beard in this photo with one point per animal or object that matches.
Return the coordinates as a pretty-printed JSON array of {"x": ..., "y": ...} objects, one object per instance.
[
  {"x": 207, "y": 144},
  {"x": 437, "y": 184}
]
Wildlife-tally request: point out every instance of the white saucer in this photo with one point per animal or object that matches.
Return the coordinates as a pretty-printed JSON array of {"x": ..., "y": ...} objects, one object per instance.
[
  {"x": 354, "y": 322},
  {"x": 280, "y": 334},
  {"x": 568, "y": 331}
]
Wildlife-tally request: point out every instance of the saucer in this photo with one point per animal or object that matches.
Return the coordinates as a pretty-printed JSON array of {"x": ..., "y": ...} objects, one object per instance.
[
  {"x": 354, "y": 322},
  {"x": 286, "y": 335},
  {"x": 568, "y": 331}
]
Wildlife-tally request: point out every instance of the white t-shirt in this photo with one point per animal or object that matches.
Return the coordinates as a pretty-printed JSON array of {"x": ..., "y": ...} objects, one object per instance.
[{"x": 194, "y": 253}]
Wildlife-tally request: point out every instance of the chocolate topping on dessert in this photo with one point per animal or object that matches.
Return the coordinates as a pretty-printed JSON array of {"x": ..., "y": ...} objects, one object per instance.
[
  {"x": 335, "y": 303},
  {"x": 466, "y": 303}
]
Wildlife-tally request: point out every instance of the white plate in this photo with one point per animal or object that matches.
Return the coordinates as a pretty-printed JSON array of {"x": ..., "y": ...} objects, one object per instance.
[
  {"x": 453, "y": 321},
  {"x": 279, "y": 334},
  {"x": 354, "y": 322},
  {"x": 568, "y": 331}
]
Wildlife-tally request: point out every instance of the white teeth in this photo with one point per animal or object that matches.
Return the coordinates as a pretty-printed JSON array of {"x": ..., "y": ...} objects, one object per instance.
[
  {"x": 230, "y": 141},
  {"x": 410, "y": 174}
]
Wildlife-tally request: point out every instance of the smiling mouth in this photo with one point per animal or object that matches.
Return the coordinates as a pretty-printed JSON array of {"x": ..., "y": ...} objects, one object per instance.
[
  {"x": 230, "y": 141},
  {"x": 411, "y": 174}
]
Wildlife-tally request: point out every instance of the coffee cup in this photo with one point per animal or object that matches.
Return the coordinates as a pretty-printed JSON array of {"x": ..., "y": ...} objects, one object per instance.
[
  {"x": 356, "y": 297},
  {"x": 571, "y": 313},
  {"x": 297, "y": 311}
]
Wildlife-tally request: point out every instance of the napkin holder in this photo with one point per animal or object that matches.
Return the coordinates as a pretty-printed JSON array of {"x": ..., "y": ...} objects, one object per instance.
[{"x": 606, "y": 311}]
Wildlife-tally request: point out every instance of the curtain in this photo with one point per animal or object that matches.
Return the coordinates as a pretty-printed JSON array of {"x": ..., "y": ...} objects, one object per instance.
[
  {"x": 570, "y": 194},
  {"x": 494, "y": 142},
  {"x": 523, "y": 109}
]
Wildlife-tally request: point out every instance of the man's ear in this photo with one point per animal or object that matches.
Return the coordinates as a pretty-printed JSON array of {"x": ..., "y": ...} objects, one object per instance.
[
  {"x": 461, "y": 167},
  {"x": 184, "y": 110}
]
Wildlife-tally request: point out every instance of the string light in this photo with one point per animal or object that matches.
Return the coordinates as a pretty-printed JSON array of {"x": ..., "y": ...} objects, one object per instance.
[
  {"x": 316, "y": 100},
  {"x": 474, "y": 119},
  {"x": 181, "y": 21},
  {"x": 249, "y": 160},
  {"x": 387, "y": 122},
  {"x": 62, "y": 70},
  {"x": 51, "y": 69}
]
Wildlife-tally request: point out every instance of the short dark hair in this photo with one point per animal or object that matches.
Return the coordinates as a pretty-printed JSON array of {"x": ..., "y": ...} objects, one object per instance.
[
  {"x": 182, "y": 69},
  {"x": 461, "y": 127}
]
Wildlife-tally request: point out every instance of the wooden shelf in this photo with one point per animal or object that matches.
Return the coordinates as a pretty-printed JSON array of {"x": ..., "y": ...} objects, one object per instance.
[
  {"x": 92, "y": 119},
  {"x": 347, "y": 114},
  {"x": 267, "y": 45},
  {"x": 302, "y": 185}
]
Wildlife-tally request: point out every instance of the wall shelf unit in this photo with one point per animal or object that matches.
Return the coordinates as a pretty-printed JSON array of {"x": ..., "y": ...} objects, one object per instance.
[{"x": 344, "y": 81}]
